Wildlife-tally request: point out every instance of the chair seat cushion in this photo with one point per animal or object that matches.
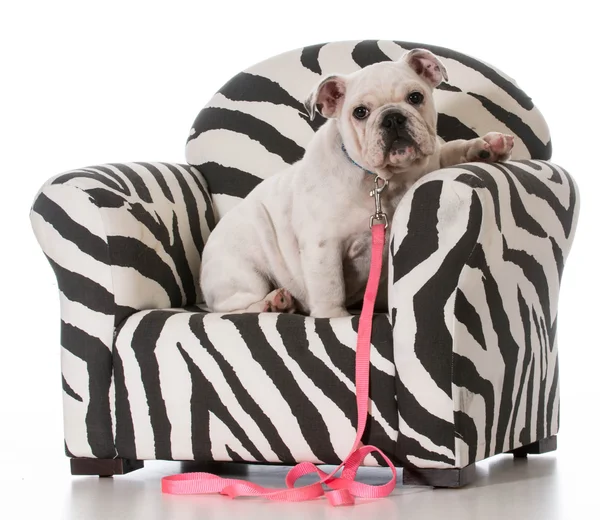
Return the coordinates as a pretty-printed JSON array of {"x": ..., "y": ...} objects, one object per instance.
[{"x": 192, "y": 385}]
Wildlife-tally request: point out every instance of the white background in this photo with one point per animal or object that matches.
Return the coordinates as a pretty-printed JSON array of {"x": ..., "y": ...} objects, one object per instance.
[{"x": 91, "y": 82}]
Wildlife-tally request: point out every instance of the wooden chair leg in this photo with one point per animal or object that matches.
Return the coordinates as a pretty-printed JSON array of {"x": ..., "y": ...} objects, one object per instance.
[
  {"x": 536, "y": 448},
  {"x": 104, "y": 467},
  {"x": 442, "y": 478}
]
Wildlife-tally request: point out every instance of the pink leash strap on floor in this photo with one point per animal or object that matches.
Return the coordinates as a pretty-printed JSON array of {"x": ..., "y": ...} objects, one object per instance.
[{"x": 344, "y": 488}]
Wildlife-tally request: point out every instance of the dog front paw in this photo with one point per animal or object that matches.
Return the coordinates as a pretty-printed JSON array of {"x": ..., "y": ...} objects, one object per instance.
[{"x": 492, "y": 147}]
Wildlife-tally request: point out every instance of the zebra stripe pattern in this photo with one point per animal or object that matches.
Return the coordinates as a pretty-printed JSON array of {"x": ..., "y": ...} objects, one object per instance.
[
  {"x": 464, "y": 365},
  {"x": 466, "y": 369},
  {"x": 121, "y": 238},
  {"x": 260, "y": 113},
  {"x": 477, "y": 253},
  {"x": 247, "y": 387}
]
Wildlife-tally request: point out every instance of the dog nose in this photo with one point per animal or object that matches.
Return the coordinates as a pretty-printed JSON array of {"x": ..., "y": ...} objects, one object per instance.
[{"x": 393, "y": 119}]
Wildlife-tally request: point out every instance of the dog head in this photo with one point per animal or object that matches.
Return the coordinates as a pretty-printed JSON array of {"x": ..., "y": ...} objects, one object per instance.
[{"x": 385, "y": 112}]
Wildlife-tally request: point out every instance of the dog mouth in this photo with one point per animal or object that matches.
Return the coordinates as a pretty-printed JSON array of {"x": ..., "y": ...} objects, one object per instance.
[
  {"x": 397, "y": 149},
  {"x": 400, "y": 148},
  {"x": 400, "y": 144}
]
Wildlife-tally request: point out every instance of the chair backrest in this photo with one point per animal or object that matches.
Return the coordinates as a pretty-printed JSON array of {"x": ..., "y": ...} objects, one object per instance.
[{"x": 256, "y": 124}]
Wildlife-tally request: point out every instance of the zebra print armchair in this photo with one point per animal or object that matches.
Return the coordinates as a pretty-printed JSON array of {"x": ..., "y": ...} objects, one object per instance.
[{"x": 464, "y": 364}]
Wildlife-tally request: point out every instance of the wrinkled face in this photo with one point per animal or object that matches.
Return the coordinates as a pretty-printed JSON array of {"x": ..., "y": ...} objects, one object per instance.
[
  {"x": 388, "y": 117},
  {"x": 385, "y": 112}
]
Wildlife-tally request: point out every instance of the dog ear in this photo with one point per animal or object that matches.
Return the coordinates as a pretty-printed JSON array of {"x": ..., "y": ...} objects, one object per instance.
[
  {"x": 327, "y": 97},
  {"x": 427, "y": 65}
]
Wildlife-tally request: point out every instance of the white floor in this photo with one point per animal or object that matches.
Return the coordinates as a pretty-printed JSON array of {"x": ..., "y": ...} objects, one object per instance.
[{"x": 545, "y": 487}]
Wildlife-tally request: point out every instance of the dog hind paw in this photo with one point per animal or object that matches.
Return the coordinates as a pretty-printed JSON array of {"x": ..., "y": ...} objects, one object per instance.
[{"x": 279, "y": 300}]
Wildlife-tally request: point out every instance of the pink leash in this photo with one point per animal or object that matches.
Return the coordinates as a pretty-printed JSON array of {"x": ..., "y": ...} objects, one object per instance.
[{"x": 344, "y": 488}]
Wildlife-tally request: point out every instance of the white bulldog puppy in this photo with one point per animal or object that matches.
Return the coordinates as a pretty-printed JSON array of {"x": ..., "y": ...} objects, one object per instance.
[{"x": 301, "y": 240}]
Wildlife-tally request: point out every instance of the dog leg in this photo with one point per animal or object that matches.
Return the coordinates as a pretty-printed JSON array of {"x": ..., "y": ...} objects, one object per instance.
[
  {"x": 324, "y": 278},
  {"x": 492, "y": 147},
  {"x": 231, "y": 286}
]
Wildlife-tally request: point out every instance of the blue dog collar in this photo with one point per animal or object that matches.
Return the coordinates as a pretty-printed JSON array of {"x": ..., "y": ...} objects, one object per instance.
[{"x": 355, "y": 163}]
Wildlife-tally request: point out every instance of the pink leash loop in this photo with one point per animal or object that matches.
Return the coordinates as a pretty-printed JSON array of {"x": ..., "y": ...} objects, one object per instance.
[{"x": 343, "y": 488}]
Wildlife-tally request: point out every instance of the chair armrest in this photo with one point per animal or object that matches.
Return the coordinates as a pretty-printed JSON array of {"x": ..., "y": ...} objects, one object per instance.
[
  {"x": 125, "y": 237},
  {"x": 120, "y": 238},
  {"x": 476, "y": 256}
]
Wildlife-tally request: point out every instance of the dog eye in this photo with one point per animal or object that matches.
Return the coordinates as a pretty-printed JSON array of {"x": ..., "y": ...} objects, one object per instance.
[
  {"x": 360, "y": 112},
  {"x": 415, "y": 98}
]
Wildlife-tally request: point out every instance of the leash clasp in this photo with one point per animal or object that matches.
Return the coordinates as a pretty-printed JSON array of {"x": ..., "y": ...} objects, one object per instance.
[{"x": 376, "y": 192}]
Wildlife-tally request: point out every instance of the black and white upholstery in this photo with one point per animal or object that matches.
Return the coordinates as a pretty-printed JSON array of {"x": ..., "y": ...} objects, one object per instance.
[{"x": 464, "y": 365}]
